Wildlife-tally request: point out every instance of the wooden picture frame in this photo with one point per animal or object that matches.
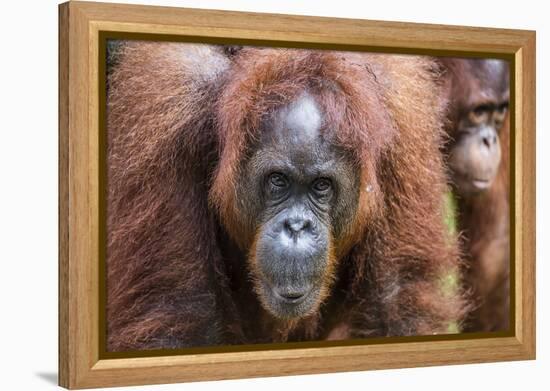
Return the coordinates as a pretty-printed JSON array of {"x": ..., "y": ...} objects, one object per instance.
[{"x": 81, "y": 25}]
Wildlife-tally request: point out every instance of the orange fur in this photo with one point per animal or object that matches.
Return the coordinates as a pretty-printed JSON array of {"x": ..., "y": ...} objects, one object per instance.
[
  {"x": 181, "y": 119},
  {"x": 484, "y": 221}
]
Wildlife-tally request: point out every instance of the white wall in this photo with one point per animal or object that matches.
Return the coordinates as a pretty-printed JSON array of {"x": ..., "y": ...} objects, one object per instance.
[{"x": 28, "y": 195}]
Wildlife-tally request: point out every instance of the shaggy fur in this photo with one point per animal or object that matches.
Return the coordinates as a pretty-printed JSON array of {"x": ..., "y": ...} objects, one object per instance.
[
  {"x": 485, "y": 223},
  {"x": 483, "y": 219},
  {"x": 182, "y": 120}
]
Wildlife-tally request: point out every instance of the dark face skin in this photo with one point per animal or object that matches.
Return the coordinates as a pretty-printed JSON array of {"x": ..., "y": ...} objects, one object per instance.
[
  {"x": 479, "y": 113},
  {"x": 300, "y": 190}
]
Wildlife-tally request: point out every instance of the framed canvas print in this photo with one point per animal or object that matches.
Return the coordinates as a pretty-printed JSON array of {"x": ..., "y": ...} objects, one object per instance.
[{"x": 251, "y": 195}]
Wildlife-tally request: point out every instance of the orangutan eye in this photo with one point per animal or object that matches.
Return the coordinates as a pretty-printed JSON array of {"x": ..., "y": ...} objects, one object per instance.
[
  {"x": 480, "y": 110},
  {"x": 479, "y": 114},
  {"x": 322, "y": 185},
  {"x": 278, "y": 180},
  {"x": 502, "y": 108}
]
